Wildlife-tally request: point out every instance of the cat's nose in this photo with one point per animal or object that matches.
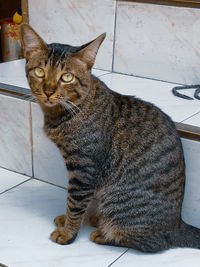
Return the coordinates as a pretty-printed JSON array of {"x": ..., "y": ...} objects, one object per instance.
[{"x": 48, "y": 93}]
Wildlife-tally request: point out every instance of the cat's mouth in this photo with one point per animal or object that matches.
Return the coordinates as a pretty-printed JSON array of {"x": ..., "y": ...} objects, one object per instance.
[
  {"x": 72, "y": 107},
  {"x": 49, "y": 102}
]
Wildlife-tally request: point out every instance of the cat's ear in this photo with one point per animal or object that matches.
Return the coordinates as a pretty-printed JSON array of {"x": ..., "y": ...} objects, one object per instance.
[
  {"x": 31, "y": 41},
  {"x": 89, "y": 51}
]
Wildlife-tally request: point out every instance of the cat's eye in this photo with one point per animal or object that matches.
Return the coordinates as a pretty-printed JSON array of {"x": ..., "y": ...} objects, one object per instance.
[
  {"x": 67, "y": 77},
  {"x": 39, "y": 72}
]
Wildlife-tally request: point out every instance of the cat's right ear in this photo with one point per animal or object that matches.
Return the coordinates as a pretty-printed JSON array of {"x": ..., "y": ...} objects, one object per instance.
[
  {"x": 31, "y": 41},
  {"x": 89, "y": 51}
]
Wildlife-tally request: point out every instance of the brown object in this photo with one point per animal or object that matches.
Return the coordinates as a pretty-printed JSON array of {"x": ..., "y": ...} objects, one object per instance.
[
  {"x": 183, "y": 3},
  {"x": 188, "y": 131},
  {"x": 24, "y": 4}
]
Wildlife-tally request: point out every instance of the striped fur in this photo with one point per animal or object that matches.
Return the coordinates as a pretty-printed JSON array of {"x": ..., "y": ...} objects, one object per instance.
[{"x": 119, "y": 149}]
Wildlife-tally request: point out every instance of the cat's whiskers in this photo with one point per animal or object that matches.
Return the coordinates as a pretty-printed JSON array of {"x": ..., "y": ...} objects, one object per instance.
[
  {"x": 73, "y": 104},
  {"x": 68, "y": 107}
]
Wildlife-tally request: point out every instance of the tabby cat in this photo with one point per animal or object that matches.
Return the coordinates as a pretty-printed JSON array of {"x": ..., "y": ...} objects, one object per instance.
[{"x": 119, "y": 149}]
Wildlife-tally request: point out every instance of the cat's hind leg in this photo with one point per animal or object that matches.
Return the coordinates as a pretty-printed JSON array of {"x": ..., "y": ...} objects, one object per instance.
[
  {"x": 146, "y": 244},
  {"x": 98, "y": 237},
  {"x": 107, "y": 234}
]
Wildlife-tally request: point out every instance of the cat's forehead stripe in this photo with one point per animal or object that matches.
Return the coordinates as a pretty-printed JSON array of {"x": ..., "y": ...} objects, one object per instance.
[
  {"x": 50, "y": 52},
  {"x": 58, "y": 52},
  {"x": 55, "y": 57},
  {"x": 60, "y": 59}
]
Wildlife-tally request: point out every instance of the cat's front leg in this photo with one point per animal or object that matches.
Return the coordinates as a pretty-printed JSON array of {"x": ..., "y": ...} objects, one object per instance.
[{"x": 80, "y": 193}]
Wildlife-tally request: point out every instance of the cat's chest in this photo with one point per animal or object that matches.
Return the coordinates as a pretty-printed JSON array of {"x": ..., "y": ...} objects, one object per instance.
[
  {"x": 57, "y": 135},
  {"x": 64, "y": 136}
]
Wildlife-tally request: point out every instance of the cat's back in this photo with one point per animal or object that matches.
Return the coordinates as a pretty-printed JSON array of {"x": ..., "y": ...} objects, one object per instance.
[
  {"x": 143, "y": 129},
  {"x": 142, "y": 116},
  {"x": 133, "y": 122}
]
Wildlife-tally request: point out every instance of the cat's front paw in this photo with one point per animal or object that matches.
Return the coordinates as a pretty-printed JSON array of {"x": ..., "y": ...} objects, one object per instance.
[
  {"x": 62, "y": 237},
  {"x": 60, "y": 220}
]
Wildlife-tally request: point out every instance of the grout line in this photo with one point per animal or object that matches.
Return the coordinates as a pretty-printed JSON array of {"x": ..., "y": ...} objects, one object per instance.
[
  {"x": 191, "y": 116},
  {"x": 114, "y": 37},
  {"x": 147, "y": 78},
  {"x": 28, "y": 179},
  {"x": 4, "y": 168},
  {"x": 103, "y": 75},
  {"x": 15, "y": 186},
  {"x": 107, "y": 72},
  {"x": 43, "y": 181},
  {"x": 110, "y": 71},
  {"x": 118, "y": 257},
  {"x": 31, "y": 136},
  {"x": 137, "y": 76}
]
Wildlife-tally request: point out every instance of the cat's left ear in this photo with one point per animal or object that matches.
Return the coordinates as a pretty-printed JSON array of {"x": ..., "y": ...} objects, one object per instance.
[
  {"x": 31, "y": 41},
  {"x": 89, "y": 51}
]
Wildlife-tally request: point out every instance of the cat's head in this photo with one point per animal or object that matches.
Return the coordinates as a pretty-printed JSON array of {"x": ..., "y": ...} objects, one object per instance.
[{"x": 58, "y": 73}]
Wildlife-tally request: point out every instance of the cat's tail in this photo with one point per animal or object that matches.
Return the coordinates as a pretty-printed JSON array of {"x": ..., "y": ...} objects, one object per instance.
[{"x": 185, "y": 236}]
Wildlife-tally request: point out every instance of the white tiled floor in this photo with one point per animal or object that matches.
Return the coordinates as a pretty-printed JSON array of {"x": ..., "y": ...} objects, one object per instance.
[
  {"x": 27, "y": 213},
  {"x": 171, "y": 258}
]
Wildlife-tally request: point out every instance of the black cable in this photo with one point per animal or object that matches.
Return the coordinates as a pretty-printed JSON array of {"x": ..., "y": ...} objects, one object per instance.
[{"x": 196, "y": 93}]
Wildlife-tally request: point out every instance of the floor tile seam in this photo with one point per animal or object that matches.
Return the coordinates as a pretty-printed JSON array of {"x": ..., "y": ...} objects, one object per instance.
[
  {"x": 30, "y": 119},
  {"x": 49, "y": 183},
  {"x": 13, "y": 171},
  {"x": 103, "y": 74},
  {"x": 102, "y": 69},
  {"x": 147, "y": 78},
  {"x": 114, "y": 36},
  {"x": 15, "y": 186},
  {"x": 191, "y": 116},
  {"x": 99, "y": 75},
  {"x": 31, "y": 179},
  {"x": 121, "y": 255}
]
